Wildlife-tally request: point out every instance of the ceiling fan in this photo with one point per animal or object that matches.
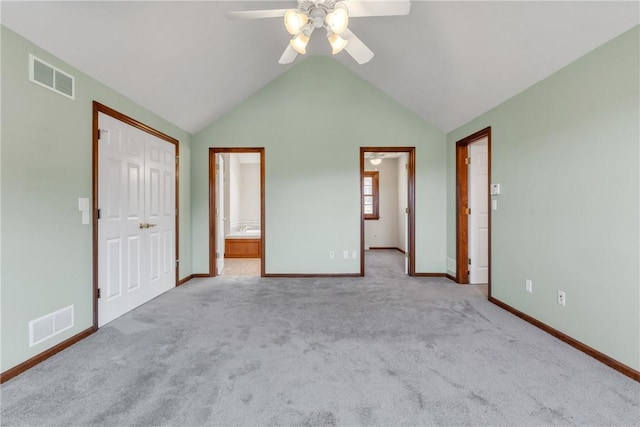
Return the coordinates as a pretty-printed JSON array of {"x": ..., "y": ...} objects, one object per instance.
[{"x": 331, "y": 15}]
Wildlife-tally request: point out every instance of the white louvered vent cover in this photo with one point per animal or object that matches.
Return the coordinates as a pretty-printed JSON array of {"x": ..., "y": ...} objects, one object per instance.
[
  {"x": 47, "y": 75},
  {"x": 52, "y": 324}
]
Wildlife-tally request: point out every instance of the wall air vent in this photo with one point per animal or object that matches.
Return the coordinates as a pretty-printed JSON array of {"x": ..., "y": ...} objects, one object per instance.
[
  {"x": 52, "y": 324},
  {"x": 47, "y": 75}
]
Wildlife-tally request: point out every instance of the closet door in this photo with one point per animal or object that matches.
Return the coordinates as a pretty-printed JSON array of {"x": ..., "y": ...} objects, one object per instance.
[
  {"x": 136, "y": 228},
  {"x": 160, "y": 214}
]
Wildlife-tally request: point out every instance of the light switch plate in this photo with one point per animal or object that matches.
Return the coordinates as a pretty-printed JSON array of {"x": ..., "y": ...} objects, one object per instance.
[
  {"x": 83, "y": 204},
  {"x": 495, "y": 189}
]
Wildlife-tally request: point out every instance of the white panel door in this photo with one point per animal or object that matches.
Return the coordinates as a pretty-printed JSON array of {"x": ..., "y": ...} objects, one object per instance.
[
  {"x": 406, "y": 242},
  {"x": 219, "y": 214},
  {"x": 479, "y": 217},
  {"x": 404, "y": 176},
  {"x": 135, "y": 263},
  {"x": 160, "y": 214}
]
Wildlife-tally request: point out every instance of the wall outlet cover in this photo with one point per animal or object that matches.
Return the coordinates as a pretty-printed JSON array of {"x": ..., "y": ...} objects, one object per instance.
[{"x": 562, "y": 298}]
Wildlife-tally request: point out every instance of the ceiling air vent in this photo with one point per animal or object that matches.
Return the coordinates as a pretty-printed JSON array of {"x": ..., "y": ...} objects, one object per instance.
[{"x": 50, "y": 77}]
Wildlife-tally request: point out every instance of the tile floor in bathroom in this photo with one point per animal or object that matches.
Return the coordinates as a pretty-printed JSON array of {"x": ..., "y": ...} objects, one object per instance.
[{"x": 241, "y": 267}]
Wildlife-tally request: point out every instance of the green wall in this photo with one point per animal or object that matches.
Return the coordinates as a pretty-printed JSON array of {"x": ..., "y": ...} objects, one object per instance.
[
  {"x": 312, "y": 121},
  {"x": 566, "y": 152},
  {"x": 45, "y": 168}
]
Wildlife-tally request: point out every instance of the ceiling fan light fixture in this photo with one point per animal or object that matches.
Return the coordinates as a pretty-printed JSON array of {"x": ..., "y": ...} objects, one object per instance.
[
  {"x": 294, "y": 21},
  {"x": 299, "y": 43},
  {"x": 338, "y": 19},
  {"x": 337, "y": 43}
]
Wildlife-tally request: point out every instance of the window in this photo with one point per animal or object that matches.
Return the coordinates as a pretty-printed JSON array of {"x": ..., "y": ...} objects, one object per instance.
[{"x": 370, "y": 194}]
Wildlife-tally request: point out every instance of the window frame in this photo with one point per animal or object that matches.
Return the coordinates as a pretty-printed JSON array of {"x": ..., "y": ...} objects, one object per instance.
[{"x": 375, "y": 194}]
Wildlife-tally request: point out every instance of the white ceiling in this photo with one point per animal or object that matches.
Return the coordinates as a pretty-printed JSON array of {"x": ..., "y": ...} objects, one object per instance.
[{"x": 448, "y": 62}]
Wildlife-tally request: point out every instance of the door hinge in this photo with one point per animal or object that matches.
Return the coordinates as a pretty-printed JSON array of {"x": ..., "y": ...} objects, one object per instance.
[
  {"x": 177, "y": 263},
  {"x": 98, "y": 213},
  {"x": 98, "y": 292},
  {"x": 467, "y": 160},
  {"x": 100, "y": 133},
  {"x": 469, "y": 261},
  {"x": 406, "y": 254},
  {"x": 406, "y": 166},
  {"x": 177, "y": 160},
  {"x": 467, "y": 211},
  {"x": 217, "y": 255},
  {"x": 406, "y": 210}
]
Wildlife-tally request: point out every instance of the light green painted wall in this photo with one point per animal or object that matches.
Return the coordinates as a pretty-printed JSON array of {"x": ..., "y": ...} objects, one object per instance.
[
  {"x": 312, "y": 122},
  {"x": 566, "y": 152},
  {"x": 46, "y": 166}
]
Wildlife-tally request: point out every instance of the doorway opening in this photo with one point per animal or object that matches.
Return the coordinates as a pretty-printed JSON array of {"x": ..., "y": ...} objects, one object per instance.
[
  {"x": 135, "y": 213},
  {"x": 236, "y": 212},
  {"x": 387, "y": 219},
  {"x": 473, "y": 215}
]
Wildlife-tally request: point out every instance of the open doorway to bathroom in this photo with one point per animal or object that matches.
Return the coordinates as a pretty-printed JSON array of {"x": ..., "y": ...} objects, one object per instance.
[
  {"x": 236, "y": 218},
  {"x": 387, "y": 208}
]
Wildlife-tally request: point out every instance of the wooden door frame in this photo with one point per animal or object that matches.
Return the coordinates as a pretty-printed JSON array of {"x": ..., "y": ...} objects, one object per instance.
[
  {"x": 411, "y": 180},
  {"x": 212, "y": 203},
  {"x": 101, "y": 108},
  {"x": 462, "y": 202}
]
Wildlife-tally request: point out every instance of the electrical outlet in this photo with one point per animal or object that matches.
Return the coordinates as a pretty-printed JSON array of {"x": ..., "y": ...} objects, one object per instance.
[
  {"x": 332, "y": 254},
  {"x": 529, "y": 286},
  {"x": 345, "y": 254},
  {"x": 354, "y": 254},
  {"x": 562, "y": 298}
]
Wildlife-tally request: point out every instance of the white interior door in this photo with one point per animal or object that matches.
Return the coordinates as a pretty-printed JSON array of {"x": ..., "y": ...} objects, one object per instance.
[
  {"x": 220, "y": 229},
  {"x": 406, "y": 242},
  {"x": 404, "y": 195},
  {"x": 160, "y": 206},
  {"x": 479, "y": 216},
  {"x": 136, "y": 176}
]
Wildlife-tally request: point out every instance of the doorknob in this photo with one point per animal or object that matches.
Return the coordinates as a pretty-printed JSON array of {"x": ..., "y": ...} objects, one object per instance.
[
  {"x": 151, "y": 225},
  {"x": 141, "y": 226}
]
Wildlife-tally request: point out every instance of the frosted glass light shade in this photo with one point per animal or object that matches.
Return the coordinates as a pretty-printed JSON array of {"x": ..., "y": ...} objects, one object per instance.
[
  {"x": 337, "y": 43},
  {"x": 299, "y": 43},
  {"x": 375, "y": 162},
  {"x": 294, "y": 21},
  {"x": 338, "y": 19}
]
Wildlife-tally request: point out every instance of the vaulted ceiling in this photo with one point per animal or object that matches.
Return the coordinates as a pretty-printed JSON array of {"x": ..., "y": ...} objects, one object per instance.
[{"x": 446, "y": 61}]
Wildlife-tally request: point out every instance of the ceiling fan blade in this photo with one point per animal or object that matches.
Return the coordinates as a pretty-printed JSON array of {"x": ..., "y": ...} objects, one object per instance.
[
  {"x": 256, "y": 14},
  {"x": 289, "y": 55},
  {"x": 358, "y": 8},
  {"x": 356, "y": 48}
]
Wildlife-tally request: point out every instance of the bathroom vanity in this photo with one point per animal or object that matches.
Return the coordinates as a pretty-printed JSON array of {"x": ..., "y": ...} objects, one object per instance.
[{"x": 242, "y": 247}]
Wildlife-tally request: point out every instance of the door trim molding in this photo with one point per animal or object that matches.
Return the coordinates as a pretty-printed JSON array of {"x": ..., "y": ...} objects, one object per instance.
[
  {"x": 462, "y": 201},
  {"x": 212, "y": 203},
  {"x": 101, "y": 108},
  {"x": 411, "y": 177}
]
